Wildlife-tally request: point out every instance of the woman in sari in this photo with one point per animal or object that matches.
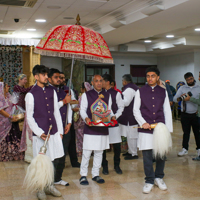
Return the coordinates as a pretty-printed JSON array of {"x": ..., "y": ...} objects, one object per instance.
[
  {"x": 78, "y": 122},
  {"x": 10, "y": 134},
  {"x": 20, "y": 88}
]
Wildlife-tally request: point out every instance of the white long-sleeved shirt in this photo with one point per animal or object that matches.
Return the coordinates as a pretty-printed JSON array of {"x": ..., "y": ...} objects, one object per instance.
[
  {"x": 30, "y": 112},
  {"x": 128, "y": 96},
  {"x": 166, "y": 109},
  {"x": 84, "y": 106}
]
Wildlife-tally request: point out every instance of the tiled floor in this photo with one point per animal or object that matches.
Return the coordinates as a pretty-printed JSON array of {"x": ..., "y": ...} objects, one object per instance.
[{"x": 182, "y": 176}]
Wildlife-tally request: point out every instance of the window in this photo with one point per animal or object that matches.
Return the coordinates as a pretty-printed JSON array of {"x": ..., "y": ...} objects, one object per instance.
[
  {"x": 138, "y": 73},
  {"x": 101, "y": 69}
]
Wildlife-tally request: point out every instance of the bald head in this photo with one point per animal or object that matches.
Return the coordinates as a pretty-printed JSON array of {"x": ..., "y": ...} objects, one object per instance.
[{"x": 97, "y": 82}]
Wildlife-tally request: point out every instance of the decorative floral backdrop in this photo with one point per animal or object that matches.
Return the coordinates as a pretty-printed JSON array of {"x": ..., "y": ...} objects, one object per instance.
[{"x": 10, "y": 64}]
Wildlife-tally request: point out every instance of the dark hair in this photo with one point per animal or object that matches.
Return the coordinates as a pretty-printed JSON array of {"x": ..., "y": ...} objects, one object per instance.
[
  {"x": 40, "y": 69},
  {"x": 83, "y": 86},
  {"x": 52, "y": 71},
  {"x": 62, "y": 73},
  {"x": 113, "y": 82},
  {"x": 153, "y": 69},
  {"x": 188, "y": 74},
  {"x": 107, "y": 77},
  {"x": 128, "y": 78}
]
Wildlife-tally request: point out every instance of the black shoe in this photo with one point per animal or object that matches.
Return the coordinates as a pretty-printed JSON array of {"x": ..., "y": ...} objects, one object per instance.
[
  {"x": 77, "y": 165},
  {"x": 126, "y": 154},
  {"x": 118, "y": 170},
  {"x": 105, "y": 171},
  {"x": 98, "y": 179},
  {"x": 130, "y": 157},
  {"x": 83, "y": 180}
]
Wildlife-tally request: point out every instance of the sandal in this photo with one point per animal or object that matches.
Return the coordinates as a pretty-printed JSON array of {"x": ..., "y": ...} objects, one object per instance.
[
  {"x": 98, "y": 179},
  {"x": 83, "y": 180}
]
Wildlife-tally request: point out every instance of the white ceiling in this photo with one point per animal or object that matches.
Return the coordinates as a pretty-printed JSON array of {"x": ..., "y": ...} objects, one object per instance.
[{"x": 178, "y": 17}]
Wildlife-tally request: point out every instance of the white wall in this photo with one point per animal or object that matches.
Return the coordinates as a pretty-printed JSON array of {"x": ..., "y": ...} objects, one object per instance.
[
  {"x": 173, "y": 67},
  {"x": 52, "y": 62},
  {"x": 128, "y": 59},
  {"x": 196, "y": 65}
]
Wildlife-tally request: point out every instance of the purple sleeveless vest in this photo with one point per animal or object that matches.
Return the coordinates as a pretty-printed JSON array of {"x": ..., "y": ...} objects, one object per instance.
[
  {"x": 114, "y": 106},
  {"x": 44, "y": 108},
  {"x": 92, "y": 96},
  {"x": 151, "y": 108},
  {"x": 63, "y": 110},
  {"x": 127, "y": 116}
]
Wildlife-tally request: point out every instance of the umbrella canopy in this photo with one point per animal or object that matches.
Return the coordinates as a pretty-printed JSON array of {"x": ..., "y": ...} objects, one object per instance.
[{"x": 74, "y": 41}]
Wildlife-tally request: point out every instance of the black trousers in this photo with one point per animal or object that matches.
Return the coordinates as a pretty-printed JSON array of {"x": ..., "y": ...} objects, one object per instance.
[
  {"x": 188, "y": 121},
  {"x": 148, "y": 167},
  {"x": 117, "y": 152},
  {"x": 72, "y": 146},
  {"x": 59, "y": 163}
]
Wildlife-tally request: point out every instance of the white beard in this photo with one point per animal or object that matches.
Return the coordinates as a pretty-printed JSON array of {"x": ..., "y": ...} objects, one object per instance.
[{"x": 162, "y": 141}]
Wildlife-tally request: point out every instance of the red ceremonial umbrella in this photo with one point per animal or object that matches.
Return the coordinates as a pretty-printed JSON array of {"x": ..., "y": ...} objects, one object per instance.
[{"x": 76, "y": 42}]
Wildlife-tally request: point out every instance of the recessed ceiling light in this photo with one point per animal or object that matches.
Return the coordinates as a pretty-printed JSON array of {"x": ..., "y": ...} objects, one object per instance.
[
  {"x": 53, "y": 7},
  {"x": 197, "y": 29},
  {"x": 169, "y": 36},
  {"x": 41, "y": 20},
  {"x": 147, "y": 41},
  {"x": 31, "y": 29},
  {"x": 68, "y": 17}
]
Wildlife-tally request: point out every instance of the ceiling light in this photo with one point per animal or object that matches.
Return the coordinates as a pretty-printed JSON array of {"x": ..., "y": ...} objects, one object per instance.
[
  {"x": 169, "y": 36},
  {"x": 147, "y": 41},
  {"x": 31, "y": 29},
  {"x": 68, "y": 17},
  {"x": 53, "y": 7},
  {"x": 41, "y": 20},
  {"x": 197, "y": 29}
]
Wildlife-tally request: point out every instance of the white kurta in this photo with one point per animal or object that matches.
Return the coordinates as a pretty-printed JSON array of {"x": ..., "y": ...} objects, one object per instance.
[
  {"x": 128, "y": 131},
  {"x": 114, "y": 132},
  {"x": 145, "y": 140},
  {"x": 93, "y": 142},
  {"x": 54, "y": 145}
]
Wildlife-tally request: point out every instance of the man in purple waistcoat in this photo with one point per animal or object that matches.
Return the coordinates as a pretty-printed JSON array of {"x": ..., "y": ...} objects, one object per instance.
[
  {"x": 127, "y": 120},
  {"x": 59, "y": 164},
  {"x": 151, "y": 106},
  {"x": 95, "y": 138},
  {"x": 114, "y": 132},
  {"x": 72, "y": 143},
  {"x": 42, "y": 111}
]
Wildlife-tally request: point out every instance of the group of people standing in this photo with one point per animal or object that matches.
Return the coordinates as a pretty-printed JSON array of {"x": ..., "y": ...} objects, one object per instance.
[{"x": 48, "y": 103}]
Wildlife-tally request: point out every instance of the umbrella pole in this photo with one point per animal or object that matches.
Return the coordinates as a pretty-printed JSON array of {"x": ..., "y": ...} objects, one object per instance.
[{"x": 70, "y": 83}]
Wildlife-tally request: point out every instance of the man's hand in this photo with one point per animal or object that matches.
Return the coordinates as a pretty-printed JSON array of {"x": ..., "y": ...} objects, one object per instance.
[
  {"x": 87, "y": 120},
  {"x": 146, "y": 126},
  {"x": 43, "y": 136},
  {"x": 67, "y": 98},
  {"x": 14, "y": 119},
  {"x": 113, "y": 118},
  {"x": 75, "y": 109},
  {"x": 61, "y": 136},
  {"x": 187, "y": 98},
  {"x": 171, "y": 103},
  {"x": 67, "y": 128}
]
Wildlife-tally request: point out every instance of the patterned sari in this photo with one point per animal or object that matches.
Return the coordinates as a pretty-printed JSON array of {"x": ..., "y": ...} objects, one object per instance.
[{"x": 10, "y": 134}]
